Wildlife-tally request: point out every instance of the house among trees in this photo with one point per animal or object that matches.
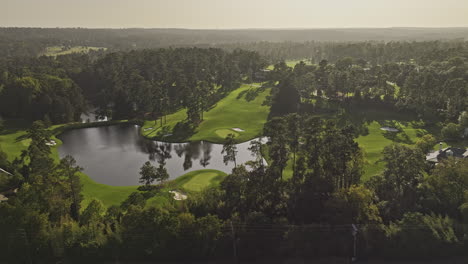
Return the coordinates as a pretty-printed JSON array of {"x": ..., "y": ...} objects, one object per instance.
[{"x": 437, "y": 156}]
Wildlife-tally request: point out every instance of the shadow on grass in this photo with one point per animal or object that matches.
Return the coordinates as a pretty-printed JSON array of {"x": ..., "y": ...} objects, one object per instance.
[{"x": 252, "y": 93}]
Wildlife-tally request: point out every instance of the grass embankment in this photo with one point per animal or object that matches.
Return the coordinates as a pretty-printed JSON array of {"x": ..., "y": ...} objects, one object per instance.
[
  {"x": 62, "y": 50},
  {"x": 188, "y": 183},
  {"x": 242, "y": 108},
  {"x": 13, "y": 142}
]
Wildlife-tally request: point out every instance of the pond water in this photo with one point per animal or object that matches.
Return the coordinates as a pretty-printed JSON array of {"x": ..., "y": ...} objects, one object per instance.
[{"x": 113, "y": 155}]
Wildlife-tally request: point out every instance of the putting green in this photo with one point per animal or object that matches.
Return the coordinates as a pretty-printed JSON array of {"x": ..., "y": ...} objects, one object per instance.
[
  {"x": 222, "y": 133},
  {"x": 201, "y": 181}
]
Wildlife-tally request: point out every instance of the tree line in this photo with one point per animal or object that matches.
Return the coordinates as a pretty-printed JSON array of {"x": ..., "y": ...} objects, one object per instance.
[
  {"x": 438, "y": 91},
  {"x": 136, "y": 84}
]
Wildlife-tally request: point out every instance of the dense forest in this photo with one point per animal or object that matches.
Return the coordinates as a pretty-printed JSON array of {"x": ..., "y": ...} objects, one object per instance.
[
  {"x": 22, "y": 42},
  {"x": 374, "y": 52},
  {"x": 122, "y": 84},
  {"x": 410, "y": 210}
]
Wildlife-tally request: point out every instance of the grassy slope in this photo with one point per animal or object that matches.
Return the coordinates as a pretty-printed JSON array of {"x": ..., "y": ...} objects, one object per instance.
[
  {"x": 151, "y": 128},
  {"x": 198, "y": 180},
  {"x": 191, "y": 182},
  {"x": 230, "y": 112},
  {"x": 233, "y": 112}
]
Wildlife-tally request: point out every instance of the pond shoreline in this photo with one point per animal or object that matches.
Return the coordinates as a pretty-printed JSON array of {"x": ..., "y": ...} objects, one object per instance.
[{"x": 113, "y": 155}]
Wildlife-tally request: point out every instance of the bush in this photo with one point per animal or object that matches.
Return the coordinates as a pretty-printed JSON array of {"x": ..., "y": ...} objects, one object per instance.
[{"x": 421, "y": 236}]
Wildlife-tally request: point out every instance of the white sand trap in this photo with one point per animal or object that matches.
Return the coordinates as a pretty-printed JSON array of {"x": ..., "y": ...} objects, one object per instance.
[
  {"x": 51, "y": 143},
  {"x": 390, "y": 129},
  {"x": 238, "y": 129},
  {"x": 178, "y": 196},
  {"x": 148, "y": 128}
]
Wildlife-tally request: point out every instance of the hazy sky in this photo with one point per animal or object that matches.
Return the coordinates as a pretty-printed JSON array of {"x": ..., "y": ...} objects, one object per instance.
[{"x": 220, "y": 14}]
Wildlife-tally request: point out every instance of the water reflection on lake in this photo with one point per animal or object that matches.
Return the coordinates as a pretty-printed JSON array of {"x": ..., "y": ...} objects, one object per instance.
[{"x": 113, "y": 155}]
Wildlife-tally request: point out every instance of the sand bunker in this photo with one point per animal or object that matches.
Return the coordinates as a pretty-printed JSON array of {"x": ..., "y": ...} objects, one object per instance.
[
  {"x": 389, "y": 129},
  {"x": 148, "y": 128},
  {"x": 51, "y": 143},
  {"x": 178, "y": 196},
  {"x": 238, "y": 129}
]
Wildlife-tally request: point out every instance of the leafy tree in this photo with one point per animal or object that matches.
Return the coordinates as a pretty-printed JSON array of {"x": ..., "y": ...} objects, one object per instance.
[
  {"x": 229, "y": 149},
  {"x": 462, "y": 120},
  {"x": 451, "y": 131},
  {"x": 421, "y": 235},
  {"x": 256, "y": 151},
  {"x": 445, "y": 187},
  {"x": 134, "y": 199},
  {"x": 354, "y": 205},
  {"x": 70, "y": 170},
  {"x": 426, "y": 143},
  {"x": 161, "y": 173},
  {"x": 403, "y": 173},
  {"x": 148, "y": 174},
  {"x": 277, "y": 130},
  {"x": 287, "y": 99},
  {"x": 92, "y": 215}
]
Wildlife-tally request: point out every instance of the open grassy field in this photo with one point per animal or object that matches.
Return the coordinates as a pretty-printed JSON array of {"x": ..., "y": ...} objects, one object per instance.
[
  {"x": 62, "y": 50},
  {"x": 236, "y": 110}
]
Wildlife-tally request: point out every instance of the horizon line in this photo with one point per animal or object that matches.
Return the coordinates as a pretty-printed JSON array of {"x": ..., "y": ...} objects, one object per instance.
[{"x": 253, "y": 28}]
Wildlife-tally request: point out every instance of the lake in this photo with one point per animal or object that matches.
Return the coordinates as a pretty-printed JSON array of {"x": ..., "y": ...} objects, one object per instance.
[{"x": 113, "y": 155}]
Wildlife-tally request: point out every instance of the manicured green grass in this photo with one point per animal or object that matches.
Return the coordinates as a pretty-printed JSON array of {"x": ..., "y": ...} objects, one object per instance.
[
  {"x": 62, "y": 50},
  {"x": 233, "y": 111},
  {"x": 198, "y": 180},
  {"x": 108, "y": 195},
  {"x": 223, "y": 133},
  {"x": 12, "y": 138},
  {"x": 188, "y": 183},
  {"x": 151, "y": 128},
  {"x": 377, "y": 139}
]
